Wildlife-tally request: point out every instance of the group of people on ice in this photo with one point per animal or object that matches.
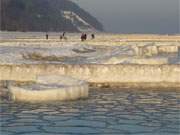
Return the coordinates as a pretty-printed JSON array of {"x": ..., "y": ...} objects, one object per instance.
[{"x": 83, "y": 37}]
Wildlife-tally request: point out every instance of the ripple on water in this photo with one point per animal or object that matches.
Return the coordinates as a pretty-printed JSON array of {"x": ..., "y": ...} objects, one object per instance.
[{"x": 105, "y": 112}]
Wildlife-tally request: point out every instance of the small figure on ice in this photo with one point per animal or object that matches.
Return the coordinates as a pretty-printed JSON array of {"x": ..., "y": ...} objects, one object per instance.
[
  {"x": 63, "y": 36},
  {"x": 83, "y": 37},
  {"x": 47, "y": 36},
  {"x": 92, "y": 36}
]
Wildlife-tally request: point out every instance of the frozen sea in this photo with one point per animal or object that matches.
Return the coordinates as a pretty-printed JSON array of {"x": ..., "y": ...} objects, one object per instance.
[
  {"x": 105, "y": 112},
  {"x": 19, "y": 48}
]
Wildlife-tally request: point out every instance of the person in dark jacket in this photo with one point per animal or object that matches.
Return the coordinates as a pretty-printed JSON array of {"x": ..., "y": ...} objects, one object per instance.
[
  {"x": 63, "y": 36},
  {"x": 92, "y": 36},
  {"x": 83, "y": 36},
  {"x": 64, "y": 33},
  {"x": 47, "y": 36}
]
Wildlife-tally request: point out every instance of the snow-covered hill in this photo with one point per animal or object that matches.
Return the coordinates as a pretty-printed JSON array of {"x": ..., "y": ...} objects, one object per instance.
[
  {"x": 46, "y": 15},
  {"x": 77, "y": 21}
]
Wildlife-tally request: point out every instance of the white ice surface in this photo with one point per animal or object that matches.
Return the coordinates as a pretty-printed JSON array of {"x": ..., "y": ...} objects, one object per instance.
[
  {"x": 105, "y": 49},
  {"x": 79, "y": 54}
]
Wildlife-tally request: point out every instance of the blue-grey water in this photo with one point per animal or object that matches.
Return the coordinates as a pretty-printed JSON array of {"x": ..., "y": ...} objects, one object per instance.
[{"x": 105, "y": 112}]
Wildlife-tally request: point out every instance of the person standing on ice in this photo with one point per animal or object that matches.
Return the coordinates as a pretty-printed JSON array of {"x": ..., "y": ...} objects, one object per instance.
[
  {"x": 64, "y": 33},
  {"x": 63, "y": 36},
  {"x": 47, "y": 36},
  {"x": 92, "y": 36},
  {"x": 83, "y": 36}
]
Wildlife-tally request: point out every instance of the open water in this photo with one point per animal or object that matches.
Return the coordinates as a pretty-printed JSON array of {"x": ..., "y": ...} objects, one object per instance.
[{"x": 105, "y": 112}]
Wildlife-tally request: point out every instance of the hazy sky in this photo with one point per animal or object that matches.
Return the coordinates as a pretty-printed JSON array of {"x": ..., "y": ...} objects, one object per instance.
[{"x": 135, "y": 16}]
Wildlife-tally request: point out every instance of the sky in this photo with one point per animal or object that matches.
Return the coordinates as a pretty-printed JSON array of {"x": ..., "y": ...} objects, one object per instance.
[{"x": 135, "y": 16}]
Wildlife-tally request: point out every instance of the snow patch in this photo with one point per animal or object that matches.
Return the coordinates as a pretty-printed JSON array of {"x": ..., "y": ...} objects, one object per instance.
[{"x": 77, "y": 21}]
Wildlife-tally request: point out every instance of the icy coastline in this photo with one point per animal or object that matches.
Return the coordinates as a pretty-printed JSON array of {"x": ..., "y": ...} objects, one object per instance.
[
  {"x": 152, "y": 75},
  {"x": 131, "y": 60}
]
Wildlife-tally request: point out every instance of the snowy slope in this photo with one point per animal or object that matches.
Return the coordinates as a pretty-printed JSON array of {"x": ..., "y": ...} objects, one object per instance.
[{"x": 77, "y": 21}]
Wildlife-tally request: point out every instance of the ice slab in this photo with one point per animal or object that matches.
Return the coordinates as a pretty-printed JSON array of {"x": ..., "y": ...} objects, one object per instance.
[{"x": 50, "y": 88}]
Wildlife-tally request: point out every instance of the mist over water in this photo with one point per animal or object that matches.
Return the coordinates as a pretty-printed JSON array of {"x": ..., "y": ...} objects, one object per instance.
[{"x": 135, "y": 16}]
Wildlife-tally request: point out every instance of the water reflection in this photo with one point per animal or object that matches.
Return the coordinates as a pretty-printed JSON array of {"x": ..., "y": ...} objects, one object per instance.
[{"x": 105, "y": 112}]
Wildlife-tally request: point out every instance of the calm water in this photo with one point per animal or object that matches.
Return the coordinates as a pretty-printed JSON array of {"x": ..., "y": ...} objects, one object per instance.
[{"x": 105, "y": 112}]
